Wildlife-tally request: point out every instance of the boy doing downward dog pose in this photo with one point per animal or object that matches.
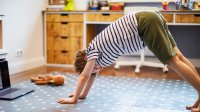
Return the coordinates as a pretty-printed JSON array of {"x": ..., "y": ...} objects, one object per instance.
[{"x": 127, "y": 35}]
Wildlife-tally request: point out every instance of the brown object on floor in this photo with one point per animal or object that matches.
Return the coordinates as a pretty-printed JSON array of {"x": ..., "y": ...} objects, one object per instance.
[
  {"x": 48, "y": 79},
  {"x": 58, "y": 79},
  {"x": 33, "y": 79},
  {"x": 41, "y": 82}
]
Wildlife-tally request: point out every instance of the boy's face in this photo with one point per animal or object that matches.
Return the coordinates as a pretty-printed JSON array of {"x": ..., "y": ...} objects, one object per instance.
[{"x": 96, "y": 68}]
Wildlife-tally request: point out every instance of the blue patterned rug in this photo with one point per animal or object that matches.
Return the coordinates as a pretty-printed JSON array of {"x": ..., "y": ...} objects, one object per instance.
[{"x": 108, "y": 94}]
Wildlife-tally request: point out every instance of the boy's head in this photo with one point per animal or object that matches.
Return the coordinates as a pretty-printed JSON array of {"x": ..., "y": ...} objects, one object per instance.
[{"x": 80, "y": 61}]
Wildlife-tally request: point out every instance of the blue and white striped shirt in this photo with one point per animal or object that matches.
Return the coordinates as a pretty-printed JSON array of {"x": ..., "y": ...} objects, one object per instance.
[{"x": 119, "y": 38}]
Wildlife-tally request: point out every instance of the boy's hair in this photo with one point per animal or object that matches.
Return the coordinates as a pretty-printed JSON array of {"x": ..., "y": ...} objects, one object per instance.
[{"x": 80, "y": 61}]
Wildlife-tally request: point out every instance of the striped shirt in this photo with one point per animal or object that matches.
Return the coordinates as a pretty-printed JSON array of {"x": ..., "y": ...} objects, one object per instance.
[{"x": 119, "y": 38}]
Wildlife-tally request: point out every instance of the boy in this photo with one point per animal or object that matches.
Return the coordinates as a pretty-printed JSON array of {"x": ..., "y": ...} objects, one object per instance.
[{"x": 127, "y": 35}]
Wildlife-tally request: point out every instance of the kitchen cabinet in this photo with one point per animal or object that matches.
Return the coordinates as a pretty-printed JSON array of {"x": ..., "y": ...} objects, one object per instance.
[
  {"x": 187, "y": 18},
  {"x": 64, "y": 17},
  {"x": 168, "y": 17},
  {"x": 103, "y": 17},
  {"x": 182, "y": 17},
  {"x": 69, "y": 31},
  {"x": 64, "y": 37}
]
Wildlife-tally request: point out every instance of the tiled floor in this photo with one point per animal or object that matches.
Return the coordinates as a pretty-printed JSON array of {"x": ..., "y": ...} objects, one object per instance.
[{"x": 109, "y": 94}]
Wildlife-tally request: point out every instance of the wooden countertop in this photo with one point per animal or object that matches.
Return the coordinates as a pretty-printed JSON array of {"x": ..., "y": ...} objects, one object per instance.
[
  {"x": 193, "y": 11},
  {"x": 57, "y": 10},
  {"x": 181, "y": 11}
]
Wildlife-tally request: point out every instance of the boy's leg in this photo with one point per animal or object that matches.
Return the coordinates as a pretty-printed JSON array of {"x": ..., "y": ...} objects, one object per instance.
[
  {"x": 184, "y": 71},
  {"x": 187, "y": 73},
  {"x": 187, "y": 62},
  {"x": 195, "y": 105},
  {"x": 182, "y": 58},
  {"x": 179, "y": 54}
]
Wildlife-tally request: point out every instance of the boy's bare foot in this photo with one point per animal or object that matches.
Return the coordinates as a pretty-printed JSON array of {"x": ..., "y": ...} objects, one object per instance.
[
  {"x": 81, "y": 97},
  {"x": 66, "y": 101},
  {"x": 195, "y": 109},
  {"x": 194, "y": 106}
]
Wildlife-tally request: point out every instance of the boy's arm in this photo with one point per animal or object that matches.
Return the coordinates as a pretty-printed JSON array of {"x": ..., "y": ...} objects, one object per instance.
[
  {"x": 88, "y": 86},
  {"x": 85, "y": 75}
]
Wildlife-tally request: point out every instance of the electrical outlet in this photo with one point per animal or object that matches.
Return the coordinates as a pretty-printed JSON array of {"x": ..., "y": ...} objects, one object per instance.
[{"x": 19, "y": 53}]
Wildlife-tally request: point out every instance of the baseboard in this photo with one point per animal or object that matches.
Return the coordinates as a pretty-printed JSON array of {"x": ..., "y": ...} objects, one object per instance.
[{"x": 24, "y": 65}]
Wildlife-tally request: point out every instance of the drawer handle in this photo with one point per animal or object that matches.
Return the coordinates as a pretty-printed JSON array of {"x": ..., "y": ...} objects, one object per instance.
[
  {"x": 64, "y": 37},
  {"x": 64, "y": 14},
  {"x": 64, "y": 22},
  {"x": 197, "y": 15},
  {"x": 64, "y": 51},
  {"x": 106, "y": 14}
]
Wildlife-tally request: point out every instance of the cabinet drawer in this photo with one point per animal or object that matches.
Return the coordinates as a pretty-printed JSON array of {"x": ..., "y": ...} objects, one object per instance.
[
  {"x": 64, "y": 29},
  {"x": 60, "y": 57},
  {"x": 69, "y": 44},
  {"x": 168, "y": 17},
  {"x": 64, "y": 17},
  {"x": 64, "y": 43},
  {"x": 187, "y": 18},
  {"x": 105, "y": 17}
]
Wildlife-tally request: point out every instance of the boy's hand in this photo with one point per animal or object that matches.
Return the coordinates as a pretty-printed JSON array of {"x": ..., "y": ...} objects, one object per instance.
[
  {"x": 67, "y": 101},
  {"x": 81, "y": 97}
]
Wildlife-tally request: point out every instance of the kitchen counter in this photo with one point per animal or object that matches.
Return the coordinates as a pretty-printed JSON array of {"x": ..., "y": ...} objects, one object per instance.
[
  {"x": 173, "y": 17},
  {"x": 182, "y": 11},
  {"x": 59, "y": 10}
]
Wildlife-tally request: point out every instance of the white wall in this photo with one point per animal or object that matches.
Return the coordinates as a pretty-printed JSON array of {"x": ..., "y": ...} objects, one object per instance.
[{"x": 23, "y": 29}]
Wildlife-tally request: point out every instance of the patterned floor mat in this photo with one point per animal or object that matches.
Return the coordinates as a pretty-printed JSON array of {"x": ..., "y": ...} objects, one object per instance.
[{"x": 108, "y": 94}]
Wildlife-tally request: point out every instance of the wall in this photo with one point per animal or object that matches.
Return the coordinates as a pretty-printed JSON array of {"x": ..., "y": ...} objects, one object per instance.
[
  {"x": 187, "y": 40},
  {"x": 23, "y": 30}
]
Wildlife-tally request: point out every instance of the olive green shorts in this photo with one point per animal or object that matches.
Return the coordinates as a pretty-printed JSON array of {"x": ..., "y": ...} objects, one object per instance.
[{"x": 154, "y": 33}]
